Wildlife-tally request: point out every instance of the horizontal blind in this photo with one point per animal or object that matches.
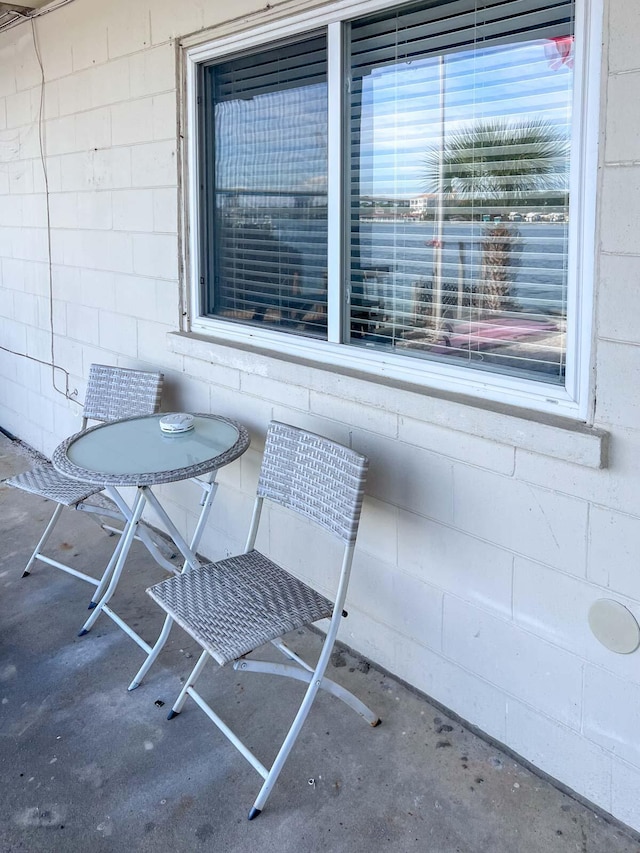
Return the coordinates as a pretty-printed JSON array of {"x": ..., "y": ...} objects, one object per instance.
[
  {"x": 265, "y": 157},
  {"x": 459, "y": 133}
]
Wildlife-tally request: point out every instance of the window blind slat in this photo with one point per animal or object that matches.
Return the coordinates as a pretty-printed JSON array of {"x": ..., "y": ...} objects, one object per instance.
[
  {"x": 445, "y": 14},
  {"x": 501, "y": 23}
]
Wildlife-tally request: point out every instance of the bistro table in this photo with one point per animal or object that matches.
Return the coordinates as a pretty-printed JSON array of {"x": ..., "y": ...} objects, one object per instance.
[{"x": 136, "y": 452}]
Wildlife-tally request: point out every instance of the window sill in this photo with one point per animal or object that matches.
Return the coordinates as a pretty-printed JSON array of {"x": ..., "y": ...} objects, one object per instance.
[{"x": 561, "y": 438}]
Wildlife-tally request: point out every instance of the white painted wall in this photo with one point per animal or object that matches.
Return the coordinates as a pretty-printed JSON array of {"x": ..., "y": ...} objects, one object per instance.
[{"x": 485, "y": 536}]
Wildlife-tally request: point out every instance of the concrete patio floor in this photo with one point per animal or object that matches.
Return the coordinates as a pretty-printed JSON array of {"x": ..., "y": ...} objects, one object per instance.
[{"x": 88, "y": 766}]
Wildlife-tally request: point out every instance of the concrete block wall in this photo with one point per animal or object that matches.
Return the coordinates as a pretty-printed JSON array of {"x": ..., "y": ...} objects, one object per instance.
[{"x": 485, "y": 537}]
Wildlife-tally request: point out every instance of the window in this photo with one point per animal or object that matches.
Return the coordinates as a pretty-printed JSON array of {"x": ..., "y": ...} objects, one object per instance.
[
  {"x": 265, "y": 147},
  {"x": 406, "y": 192}
]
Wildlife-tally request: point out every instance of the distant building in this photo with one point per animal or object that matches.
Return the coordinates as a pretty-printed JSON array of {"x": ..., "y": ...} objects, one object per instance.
[{"x": 422, "y": 204}]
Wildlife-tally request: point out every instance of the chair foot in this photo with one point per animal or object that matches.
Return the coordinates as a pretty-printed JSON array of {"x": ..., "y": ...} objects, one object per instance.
[
  {"x": 254, "y": 813},
  {"x": 26, "y": 574},
  {"x": 133, "y": 686},
  {"x": 83, "y": 632},
  {"x": 377, "y": 723},
  {"x": 172, "y": 714},
  {"x": 92, "y": 604}
]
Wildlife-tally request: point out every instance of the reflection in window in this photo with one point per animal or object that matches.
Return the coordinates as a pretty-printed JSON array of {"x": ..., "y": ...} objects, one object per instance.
[
  {"x": 460, "y": 127},
  {"x": 265, "y": 160}
]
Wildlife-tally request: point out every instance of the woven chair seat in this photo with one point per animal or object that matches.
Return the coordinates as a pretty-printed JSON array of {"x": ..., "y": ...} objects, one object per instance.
[
  {"x": 236, "y": 605},
  {"x": 45, "y": 481}
]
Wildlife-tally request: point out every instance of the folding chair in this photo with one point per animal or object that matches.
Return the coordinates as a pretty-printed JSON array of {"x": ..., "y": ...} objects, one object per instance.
[
  {"x": 112, "y": 393},
  {"x": 238, "y": 604}
]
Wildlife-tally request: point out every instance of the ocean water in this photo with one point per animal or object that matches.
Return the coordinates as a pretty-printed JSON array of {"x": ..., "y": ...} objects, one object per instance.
[{"x": 398, "y": 253}]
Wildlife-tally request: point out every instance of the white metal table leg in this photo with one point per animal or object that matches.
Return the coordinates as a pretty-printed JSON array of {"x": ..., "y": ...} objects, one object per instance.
[
  {"x": 106, "y": 577},
  {"x": 141, "y": 534},
  {"x": 124, "y": 545},
  {"x": 181, "y": 544},
  {"x": 210, "y": 489}
]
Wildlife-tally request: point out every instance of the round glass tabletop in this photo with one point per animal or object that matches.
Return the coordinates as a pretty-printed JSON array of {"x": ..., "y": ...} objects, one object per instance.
[{"x": 135, "y": 451}]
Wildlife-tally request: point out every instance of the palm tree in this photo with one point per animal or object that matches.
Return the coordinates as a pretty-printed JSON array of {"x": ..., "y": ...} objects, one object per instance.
[
  {"x": 492, "y": 291},
  {"x": 498, "y": 163},
  {"x": 499, "y": 160}
]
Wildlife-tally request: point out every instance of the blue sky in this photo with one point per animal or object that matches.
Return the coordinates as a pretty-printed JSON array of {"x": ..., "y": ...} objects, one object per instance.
[
  {"x": 278, "y": 140},
  {"x": 514, "y": 82}
]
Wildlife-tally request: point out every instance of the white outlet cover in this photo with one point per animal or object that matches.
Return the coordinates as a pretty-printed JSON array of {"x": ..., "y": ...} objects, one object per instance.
[{"x": 614, "y": 626}]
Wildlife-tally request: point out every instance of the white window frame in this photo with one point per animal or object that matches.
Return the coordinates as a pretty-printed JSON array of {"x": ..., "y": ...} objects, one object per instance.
[{"x": 572, "y": 400}]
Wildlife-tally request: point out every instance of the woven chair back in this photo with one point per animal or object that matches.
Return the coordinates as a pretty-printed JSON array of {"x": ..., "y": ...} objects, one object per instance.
[
  {"x": 114, "y": 393},
  {"x": 315, "y": 477}
]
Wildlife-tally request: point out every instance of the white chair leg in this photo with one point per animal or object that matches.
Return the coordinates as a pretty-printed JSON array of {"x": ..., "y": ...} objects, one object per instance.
[
  {"x": 209, "y": 491},
  {"x": 190, "y": 682},
  {"x": 286, "y": 747},
  {"x": 153, "y": 654},
  {"x": 43, "y": 539},
  {"x": 309, "y": 696},
  {"x": 288, "y": 671}
]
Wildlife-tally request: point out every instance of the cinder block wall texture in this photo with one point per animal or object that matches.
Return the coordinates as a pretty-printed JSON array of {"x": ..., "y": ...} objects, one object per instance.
[{"x": 485, "y": 538}]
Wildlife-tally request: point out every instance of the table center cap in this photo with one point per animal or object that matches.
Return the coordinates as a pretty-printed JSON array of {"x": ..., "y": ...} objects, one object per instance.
[{"x": 177, "y": 422}]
